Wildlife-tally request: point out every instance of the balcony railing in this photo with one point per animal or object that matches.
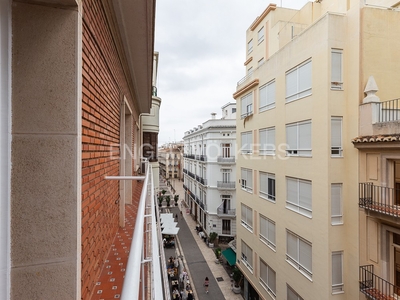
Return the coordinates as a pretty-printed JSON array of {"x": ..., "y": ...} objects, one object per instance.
[
  {"x": 226, "y": 185},
  {"x": 191, "y": 175},
  {"x": 185, "y": 187},
  {"x": 381, "y": 199},
  {"x": 203, "y": 181},
  {"x": 203, "y": 157},
  {"x": 191, "y": 156},
  {"x": 185, "y": 171},
  {"x": 146, "y": 252},
  {"x": 375, "y": 287},
  {"x": 221, "y": 210},
  {"x": 223, "y": 160},
  {"x": 389, "y": 111}
]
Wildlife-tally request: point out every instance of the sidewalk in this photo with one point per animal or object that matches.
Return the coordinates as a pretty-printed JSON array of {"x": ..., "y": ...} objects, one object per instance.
[{"x": 198, "y": 258}]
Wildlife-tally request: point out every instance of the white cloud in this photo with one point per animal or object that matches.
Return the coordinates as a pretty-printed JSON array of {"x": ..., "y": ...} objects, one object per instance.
[{"x": 202, "y": 48}]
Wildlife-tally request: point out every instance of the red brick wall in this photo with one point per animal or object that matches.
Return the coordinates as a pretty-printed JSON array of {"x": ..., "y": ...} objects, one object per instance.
[{"x": 104, "y": 86}]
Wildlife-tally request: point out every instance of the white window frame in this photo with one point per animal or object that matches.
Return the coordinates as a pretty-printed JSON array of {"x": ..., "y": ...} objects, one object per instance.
[
  {"x": 299, "y": 81},
  {"x": 267, "y": 94},
  {"x": 247, "y": 217},
  {"x": 336, "y": 136},
  {"x": 250, "y": 46},
  {"x": 268, "y": 278},
  {"x": 246, "y": 179},
  {"x": 260, "y": 35},
  {"x": 337, "y": 69},
  {"x": 337, "y": 272},
  {"x": 226, "y": 175},
  {"x": 246, "y": 256},
  {"x": 246, "y": 105},
  {"x": 226, "y": 150},
  {"x": 299, "y": 139},
  {"x": 246, "y": 142},
  {"x": 268, "y": 232},
  {"x": 299, "y": 196},
  {"x": 224, "y": 229},
  {"x": 267, "y": 141},
  {"x": 292, "y": 294},
  {"x": 267, "y": 186},
  {"x": 299, "y": 253},
  {"x": 336, "y": 204}
]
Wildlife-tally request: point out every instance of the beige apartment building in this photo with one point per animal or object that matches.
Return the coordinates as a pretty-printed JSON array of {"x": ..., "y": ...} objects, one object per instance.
[{"x": 303, "y": 232}]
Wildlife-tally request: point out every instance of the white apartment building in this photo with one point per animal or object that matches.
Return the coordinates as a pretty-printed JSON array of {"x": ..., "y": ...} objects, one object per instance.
[
  {"x": 210, "y": 173},
  {"x": 298, "y": 230}
]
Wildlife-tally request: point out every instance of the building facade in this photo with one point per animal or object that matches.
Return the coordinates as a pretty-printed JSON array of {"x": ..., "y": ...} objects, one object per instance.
[
  {"x": 210, "y": 174},
  {"x": 298, "y": 233},
  {"x": 75, "y": 77},
  {"x": 171, "y": 161}
]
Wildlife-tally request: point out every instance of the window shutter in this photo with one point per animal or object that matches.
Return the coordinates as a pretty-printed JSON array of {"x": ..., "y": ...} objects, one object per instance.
[
  {"x": 263, "y": 96},
  {"x": 337, "y": 268},
  {"x": 272, "y": 280},
  {"x": 263, "y": 183},
  {"x": 270, "y": 140},
  {"x": 292, "y": 246},
  {"x": 291, "y": 137},
  {"x": 305, "y": 77},
  {"x": 263, "y": 227},
  {"x": 271, "y": 93},
  {"x": 336, "y": 68},
  {"x": 291, "y": 84},
  {"x": 336, "y": 132},
  {"x": 305, "y": 195},
  {"x": 292, "y": 190},
  {"x": 271, "y": 232},
  {"x": 305, "y": 135},
  {"x": 263, "y": 139},
  {"x": 305, "y": 255}
]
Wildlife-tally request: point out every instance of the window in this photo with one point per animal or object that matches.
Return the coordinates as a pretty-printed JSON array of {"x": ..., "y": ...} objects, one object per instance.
[
  {"x": 336, "y": 69},
  {"x": 267, "y": 186},
  {"x": 267, "y": 96},
  {"x": 250, "y": 70},
  {"x": 233, "y": 110},
  {"x": 337, "y": 272},
  {"x": 267, "y": 231},
  {"x": 226, "y": 150},
  {"x": 299, "y": 82},
  {"x": 247, "y": 256},
  {"x": 298, "y": 196},
  {"x": 247, "y": 179},
  {"x": 226, "y": 175},
  {"x": 226, "y": 226},
  {"x": 260, "y": 62},
  {"x": 261, "y": 35},
  {"x": 336, "y": 137},
  {"x": 268, "y": 278},
  {"x": 267, "y": 141},
  {"x": 250, "y": 46},
  {"x": 292, "y": 295},
  {"x": 247, "y": 217},
  {"x": 336, "y": 204},
  {"x": 299, "y": 253},
  {"x": 298, "y": 139},
  {"x": 247, "y": 140},
  {"x": 247, "y": 105}
]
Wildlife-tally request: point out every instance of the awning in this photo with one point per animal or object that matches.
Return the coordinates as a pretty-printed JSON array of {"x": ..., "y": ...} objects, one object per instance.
[
  {"x": 230, "y": 256},
  {"x": 171, "y": 231}
]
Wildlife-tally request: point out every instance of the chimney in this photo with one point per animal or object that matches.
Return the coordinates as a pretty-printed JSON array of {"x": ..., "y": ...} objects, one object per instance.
[{"x": 213, "y": 116}]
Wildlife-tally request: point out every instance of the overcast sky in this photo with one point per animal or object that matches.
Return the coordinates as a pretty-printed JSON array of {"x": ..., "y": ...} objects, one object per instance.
[{"x": 202, "y": 48}]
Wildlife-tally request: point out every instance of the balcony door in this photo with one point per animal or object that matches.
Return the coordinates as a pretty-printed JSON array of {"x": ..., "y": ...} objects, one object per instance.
[
  {"x": 397, "y": 182},
  {"x": 396, "y": 261}
]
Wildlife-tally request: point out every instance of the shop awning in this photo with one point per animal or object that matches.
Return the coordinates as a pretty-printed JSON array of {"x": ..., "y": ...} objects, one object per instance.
[
  {"x": 171, "y": 231},
  {"x": 230, "y": 256}
]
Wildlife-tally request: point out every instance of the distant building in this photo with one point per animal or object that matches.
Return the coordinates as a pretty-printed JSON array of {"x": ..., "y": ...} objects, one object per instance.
[
  {"x": 170, "y": 158},
  {"x": 210, "y": 173},
  {"x": 300, "y": 232}
]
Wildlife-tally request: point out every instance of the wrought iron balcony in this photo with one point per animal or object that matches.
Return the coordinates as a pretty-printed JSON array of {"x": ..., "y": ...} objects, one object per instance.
[
  {"x": 389, "y": 111},
  {"x": 225, "y": 160},
  {"x": 375, "y": 287},
  {"x": 191, "y": 175},
  {"x": 229, "y": 185},
  {"x": 198, "y": 178},
  {"x": 224, "y": 211},
  {"x": 191, "y": 156},
  {"x": 203, "y": 181},
  {"x": 185, "y": 187},
  {"x": 202, "y": 205},
  {"x": 185, "y": 171},
  {"x": 203, "y": 157},
  {"x": 381, "y": 199}
]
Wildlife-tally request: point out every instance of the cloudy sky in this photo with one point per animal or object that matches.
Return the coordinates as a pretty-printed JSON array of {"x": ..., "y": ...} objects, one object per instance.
[{"x": 202, "y": 48}]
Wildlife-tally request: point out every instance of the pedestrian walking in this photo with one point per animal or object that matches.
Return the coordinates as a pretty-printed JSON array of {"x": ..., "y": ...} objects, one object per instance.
[{"x": 206, "y": 283}]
